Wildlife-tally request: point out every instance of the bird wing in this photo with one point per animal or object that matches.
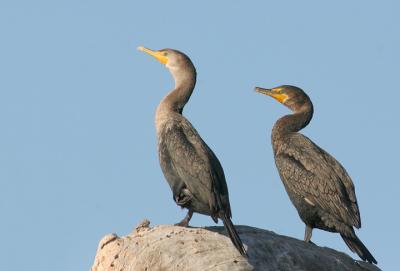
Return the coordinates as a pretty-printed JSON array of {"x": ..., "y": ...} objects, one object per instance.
[
  {"x": 314, "y": 174},
  {"x": 196, "y": 165}
]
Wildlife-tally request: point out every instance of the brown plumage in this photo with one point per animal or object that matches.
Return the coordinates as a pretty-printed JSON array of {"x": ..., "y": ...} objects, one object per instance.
[{"x": 317, "y": 184}]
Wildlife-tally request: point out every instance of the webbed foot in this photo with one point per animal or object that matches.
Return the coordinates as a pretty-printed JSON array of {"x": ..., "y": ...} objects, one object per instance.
[
  {"x": 185, "y": 221},
  {"x": 184, "y": 197}
]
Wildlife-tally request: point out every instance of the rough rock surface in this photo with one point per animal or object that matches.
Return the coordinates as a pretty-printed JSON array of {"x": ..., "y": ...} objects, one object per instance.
[{"x": 168, "y": 247}]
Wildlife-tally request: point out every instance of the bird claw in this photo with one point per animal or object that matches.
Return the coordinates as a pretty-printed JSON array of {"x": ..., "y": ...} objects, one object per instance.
[
  {"x": 184, "y": 197},
  {"x": 183, "y": 201}
]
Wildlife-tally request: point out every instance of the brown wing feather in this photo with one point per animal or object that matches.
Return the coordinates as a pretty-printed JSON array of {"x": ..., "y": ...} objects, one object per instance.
[
  {"x": 196, "y": 165},
  {"x": 311, "y": 172}
]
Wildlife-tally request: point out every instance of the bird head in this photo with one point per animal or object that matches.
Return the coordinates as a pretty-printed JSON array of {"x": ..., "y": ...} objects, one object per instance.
[
  {"x": 174, "y": 60},
  {"x": 292, "y": 97}
]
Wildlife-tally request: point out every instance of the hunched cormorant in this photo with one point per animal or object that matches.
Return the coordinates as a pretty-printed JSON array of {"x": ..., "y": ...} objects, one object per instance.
[
  {"x": 191, "y": 168},
  {"x": 317, "y": 184}
]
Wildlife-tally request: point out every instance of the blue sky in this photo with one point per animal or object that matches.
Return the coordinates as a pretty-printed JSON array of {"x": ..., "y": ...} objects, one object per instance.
[{"x": 77, "y": 144}]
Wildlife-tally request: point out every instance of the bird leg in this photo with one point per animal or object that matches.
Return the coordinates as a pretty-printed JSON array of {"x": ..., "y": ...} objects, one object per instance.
[
  {"x": 185, "y": 221},
  {"x": 308, "y": 234}
]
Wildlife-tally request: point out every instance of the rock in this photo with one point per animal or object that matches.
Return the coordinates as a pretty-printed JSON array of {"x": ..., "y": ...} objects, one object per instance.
[{"x": 168, "y": 247}]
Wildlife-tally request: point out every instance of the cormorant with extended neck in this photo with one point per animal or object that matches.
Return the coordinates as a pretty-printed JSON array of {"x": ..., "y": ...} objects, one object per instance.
[
  {"x": 317, "y": 184},
  {"x": 191, "y": 168}
]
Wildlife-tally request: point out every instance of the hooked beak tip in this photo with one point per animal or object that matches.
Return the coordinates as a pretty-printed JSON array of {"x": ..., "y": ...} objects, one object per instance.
[{"x": 264, "y": 91}]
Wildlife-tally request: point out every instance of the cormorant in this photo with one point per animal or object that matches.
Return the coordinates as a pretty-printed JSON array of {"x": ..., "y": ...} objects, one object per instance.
[
  {"x": 191, "y": 168},
  {"x": 317, "y": 184}
]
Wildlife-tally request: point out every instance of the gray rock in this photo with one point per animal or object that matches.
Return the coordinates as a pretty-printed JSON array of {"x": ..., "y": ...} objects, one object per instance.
[{"x": 168, "y": 247}]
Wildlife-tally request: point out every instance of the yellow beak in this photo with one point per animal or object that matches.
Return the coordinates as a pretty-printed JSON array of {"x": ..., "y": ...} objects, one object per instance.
[
  {"x": 273, "y": 93},
  {"x": 158, "y": 55}
]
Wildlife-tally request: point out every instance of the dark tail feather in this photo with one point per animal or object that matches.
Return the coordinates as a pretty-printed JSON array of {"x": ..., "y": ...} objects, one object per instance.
[
  {"x": 230, "y": 228},
  {"x": 358, "y": 247}
]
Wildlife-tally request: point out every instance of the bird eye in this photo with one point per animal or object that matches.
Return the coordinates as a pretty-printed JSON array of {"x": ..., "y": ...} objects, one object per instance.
[{"x": 165, "y": 54}]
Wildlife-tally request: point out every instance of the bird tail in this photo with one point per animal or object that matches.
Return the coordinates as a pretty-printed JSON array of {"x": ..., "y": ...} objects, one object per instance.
[
  {"x": 233, "y": 235},
  {"x": 358, "y": 247}
]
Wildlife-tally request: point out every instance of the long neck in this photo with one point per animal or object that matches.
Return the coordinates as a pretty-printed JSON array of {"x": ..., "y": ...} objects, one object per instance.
[
  {"x": 292, "y": 123},
  {"x": 185, "y": 80}
]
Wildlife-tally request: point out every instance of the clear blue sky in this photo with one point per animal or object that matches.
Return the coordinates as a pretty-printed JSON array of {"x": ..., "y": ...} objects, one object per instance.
[{"x": 77, "y": 139}]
